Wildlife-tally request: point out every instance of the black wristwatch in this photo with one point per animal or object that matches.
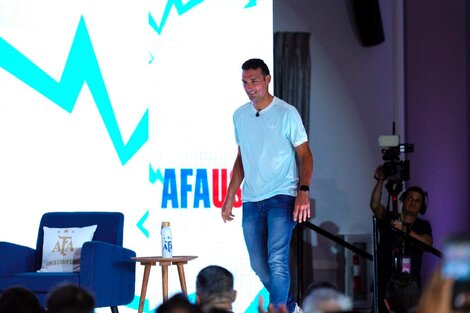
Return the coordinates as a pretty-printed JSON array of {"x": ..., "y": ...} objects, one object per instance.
[{"x": 304, "y": 188}]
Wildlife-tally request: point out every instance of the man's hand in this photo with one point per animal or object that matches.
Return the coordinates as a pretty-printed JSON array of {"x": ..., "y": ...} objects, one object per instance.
[
  {"x": 227, "y": 207},
  {"x": 271, "y": 309},
  {"x": 437, "y": 296},
  {"x": 302, "y": 206},
  {"x": 379, "y": 174},
  {"x": 398, "y": 225}
]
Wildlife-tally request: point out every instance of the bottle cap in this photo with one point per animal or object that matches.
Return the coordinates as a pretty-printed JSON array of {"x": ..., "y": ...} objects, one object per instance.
[{"x": 165, "y": 224}]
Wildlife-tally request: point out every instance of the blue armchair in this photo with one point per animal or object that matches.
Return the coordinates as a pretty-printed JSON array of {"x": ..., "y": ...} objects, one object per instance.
[{"x": 106, "y": 268}]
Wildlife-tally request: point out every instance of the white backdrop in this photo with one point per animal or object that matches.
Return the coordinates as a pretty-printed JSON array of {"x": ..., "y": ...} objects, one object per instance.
[{"x": 144, "y": 135}]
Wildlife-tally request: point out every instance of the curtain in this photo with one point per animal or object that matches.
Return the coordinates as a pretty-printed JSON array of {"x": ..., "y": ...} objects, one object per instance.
[
  {"x": 292, "y": 71},
  {"x": 292, "y": 84}
]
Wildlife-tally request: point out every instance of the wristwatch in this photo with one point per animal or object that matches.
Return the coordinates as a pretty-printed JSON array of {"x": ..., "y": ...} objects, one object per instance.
[{"x": 304, "y": 188}]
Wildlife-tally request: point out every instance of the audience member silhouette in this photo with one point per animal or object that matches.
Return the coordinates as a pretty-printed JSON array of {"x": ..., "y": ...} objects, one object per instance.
[
  {"x": 70, "y": 298},
  {"x": 178, "y": 304},
  {"x": 320, "y": 284},
  {"x": 214, "y": 289},
  {"x": 19, "y": 300},
  {"x": 402, "y": 293},
  {"x": 325, "y": 298}
]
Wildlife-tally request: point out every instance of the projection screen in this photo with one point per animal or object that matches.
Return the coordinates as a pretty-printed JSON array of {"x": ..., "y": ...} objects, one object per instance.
[{"x": 127, "y": 106}]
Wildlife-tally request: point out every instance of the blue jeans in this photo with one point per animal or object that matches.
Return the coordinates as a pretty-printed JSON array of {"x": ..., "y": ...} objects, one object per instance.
[{"x": 267, "y": 228}]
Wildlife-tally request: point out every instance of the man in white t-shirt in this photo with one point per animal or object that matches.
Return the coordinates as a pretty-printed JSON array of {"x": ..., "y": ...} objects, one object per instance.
[{"x": 275, "y": 194}]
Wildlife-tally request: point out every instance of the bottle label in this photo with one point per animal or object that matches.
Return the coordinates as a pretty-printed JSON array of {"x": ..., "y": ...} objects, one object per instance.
[{"x": 167, "y": 246}]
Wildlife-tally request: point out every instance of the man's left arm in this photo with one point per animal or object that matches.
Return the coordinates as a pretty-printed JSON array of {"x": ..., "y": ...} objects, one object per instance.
[
  {"x": 424, "y": 238},
  {"x": 425, "y": 234},
  {"x": 302, "y": 201}
]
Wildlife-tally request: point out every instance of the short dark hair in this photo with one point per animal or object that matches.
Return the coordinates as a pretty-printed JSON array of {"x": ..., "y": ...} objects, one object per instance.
[
  {"x": 18, "y": 299},
  {"x": 214, "y": 283},
  {"x": 178, "y": 303},
  {"x": 253, "y": 64},
  {"x": 70, "y": 298},
  {"x": 402, "y": 292}
]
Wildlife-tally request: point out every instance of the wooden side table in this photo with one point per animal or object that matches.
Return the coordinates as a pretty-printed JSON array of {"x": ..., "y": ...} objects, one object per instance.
[{"x": 150, "y": 261}]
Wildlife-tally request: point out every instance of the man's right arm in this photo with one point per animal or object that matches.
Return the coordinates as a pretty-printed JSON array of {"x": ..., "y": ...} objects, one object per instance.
[
  {"x": 238, "y": 174},
  {"x": 376, "y": 197}
]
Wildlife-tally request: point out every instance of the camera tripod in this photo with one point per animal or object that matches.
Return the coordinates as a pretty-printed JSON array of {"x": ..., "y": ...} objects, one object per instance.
[{"x": 394, "y": 187}]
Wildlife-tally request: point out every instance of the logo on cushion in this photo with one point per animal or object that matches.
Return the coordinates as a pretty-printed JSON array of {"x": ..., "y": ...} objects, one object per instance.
[
  {"x": 62, "y": 248},
  {"x": 64, "y": 244}
]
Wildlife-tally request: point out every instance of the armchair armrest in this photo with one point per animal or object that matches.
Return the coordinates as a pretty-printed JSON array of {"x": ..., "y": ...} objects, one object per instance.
[
  {"x": 108, "y": 271},
  {"x": 16, "y": 258}
]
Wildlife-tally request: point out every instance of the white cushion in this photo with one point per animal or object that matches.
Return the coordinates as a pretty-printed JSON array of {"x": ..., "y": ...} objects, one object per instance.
[{"x": 62, "y": 246}]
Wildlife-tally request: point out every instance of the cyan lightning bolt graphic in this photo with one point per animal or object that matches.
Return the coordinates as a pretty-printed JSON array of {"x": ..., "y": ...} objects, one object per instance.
[
  {"x": 251, "y": 3},
  {"x": 181, "y": 9},
  {"x": 155, "y": 175},
  {"x": 81, "y": 66}
]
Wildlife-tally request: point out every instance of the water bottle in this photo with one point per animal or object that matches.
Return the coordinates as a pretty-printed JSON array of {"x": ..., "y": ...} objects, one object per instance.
[{"x": 167, "y": 244}]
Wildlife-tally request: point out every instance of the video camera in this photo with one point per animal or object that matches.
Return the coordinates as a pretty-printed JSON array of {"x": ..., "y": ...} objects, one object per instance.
[{"x": 395, "y": 169}]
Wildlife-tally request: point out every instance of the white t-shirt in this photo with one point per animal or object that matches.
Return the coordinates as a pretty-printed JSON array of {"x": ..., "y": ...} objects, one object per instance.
[{"x": 267, "y": 144}]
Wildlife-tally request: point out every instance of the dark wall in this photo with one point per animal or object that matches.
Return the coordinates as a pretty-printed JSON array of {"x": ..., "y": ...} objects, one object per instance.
[
  {"x": 356, "y": 95},
  {"x": 436, "y": 108}
]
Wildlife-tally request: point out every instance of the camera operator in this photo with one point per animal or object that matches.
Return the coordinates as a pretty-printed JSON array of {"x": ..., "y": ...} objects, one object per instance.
[{"x": 393, "y": 245}]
